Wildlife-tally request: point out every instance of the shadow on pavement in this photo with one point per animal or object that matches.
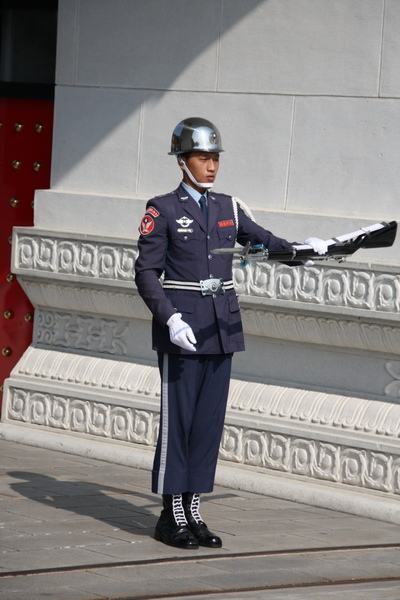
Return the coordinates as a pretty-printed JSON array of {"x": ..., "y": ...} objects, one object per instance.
[{"x": 121, "y": 508}]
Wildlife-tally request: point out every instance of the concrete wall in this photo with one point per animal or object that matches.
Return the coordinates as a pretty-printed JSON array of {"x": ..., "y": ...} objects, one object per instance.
[{"x": 306, "y": 94}]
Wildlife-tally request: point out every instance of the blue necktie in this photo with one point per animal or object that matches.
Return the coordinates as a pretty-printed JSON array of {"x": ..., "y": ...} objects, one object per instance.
[{"x": 203, "y": 207}]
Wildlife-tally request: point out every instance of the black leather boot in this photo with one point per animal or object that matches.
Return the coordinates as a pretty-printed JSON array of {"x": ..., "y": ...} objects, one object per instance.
[
  {"x": 172, "y": 527},
  {"x": 191, "y": 505}
]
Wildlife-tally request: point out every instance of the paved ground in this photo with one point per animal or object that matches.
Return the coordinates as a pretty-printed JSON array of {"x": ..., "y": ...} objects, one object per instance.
[{"x": 76, "y": 528}]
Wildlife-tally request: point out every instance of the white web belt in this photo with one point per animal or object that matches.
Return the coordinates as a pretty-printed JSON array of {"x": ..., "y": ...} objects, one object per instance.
[{"x": 208, "y": 287}]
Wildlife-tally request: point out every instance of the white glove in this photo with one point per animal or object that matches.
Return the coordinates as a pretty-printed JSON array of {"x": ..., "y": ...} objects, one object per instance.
[
  {"x": 181, "y": 333},
  {"x": 319, "y": 246}
]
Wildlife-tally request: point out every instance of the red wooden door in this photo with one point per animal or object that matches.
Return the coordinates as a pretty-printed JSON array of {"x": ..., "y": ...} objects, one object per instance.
[{"x": 25, "y": 156}]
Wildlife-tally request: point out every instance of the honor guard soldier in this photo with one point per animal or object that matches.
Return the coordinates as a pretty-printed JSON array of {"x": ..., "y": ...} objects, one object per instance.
[{"x": 196, "y": 324}]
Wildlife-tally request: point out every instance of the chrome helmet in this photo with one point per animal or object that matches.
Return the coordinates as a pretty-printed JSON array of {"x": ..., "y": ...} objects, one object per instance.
[{"x": 195, "y": 134}]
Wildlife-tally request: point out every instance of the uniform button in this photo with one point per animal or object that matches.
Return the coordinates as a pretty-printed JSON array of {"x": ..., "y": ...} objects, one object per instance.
[
  {"x": 209, "y": 256},
  {"x": 185, "y": 237},
  {"x": 211, "y": 276},
  {"x": 209, "y": 237},
  {"x": 229, "y": 237}
]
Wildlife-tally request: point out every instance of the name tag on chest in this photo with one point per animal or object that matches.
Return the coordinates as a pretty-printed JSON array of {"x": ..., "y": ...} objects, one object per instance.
[{"x": 228, "y": 223}]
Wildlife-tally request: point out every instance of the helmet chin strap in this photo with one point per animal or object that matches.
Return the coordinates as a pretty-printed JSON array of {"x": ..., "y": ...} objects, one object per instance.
[{"x": 192, "y": 179}]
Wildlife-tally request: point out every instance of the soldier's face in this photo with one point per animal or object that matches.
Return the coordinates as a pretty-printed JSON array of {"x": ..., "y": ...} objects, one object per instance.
[{"x": 203, "y": 166}]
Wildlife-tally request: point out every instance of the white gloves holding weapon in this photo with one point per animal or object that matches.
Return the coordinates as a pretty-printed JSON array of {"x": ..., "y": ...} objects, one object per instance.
[
  {"x": 319, "y": 246},
  {"x": 180, "y": 333}
]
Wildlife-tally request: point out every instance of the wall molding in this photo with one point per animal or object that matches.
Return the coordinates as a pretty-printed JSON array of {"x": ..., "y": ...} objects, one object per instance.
[
  {"x": 343, "y": 440},
  {"x": 84, "y": 377},
  {"x": 250, "y": 400},
  {"x": 111, "y": 330},
  {"x": 366, "y": 288},
  {"x": 69, "y": 257},
  {"x": 74, "y": 258}
]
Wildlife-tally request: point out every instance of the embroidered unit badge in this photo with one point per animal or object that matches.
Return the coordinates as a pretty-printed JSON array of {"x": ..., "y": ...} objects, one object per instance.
[{"x": 146, "y": 225}]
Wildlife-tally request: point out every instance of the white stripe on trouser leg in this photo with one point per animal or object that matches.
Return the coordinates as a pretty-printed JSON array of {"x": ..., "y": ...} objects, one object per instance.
[{"x": 164, "y": 426}]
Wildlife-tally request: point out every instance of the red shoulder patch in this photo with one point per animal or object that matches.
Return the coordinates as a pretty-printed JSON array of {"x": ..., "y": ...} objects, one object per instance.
[
  {"x": 228, "y": 223},
  {"x": 146, "y": 225},
  {"x": 152, "y": 211}
]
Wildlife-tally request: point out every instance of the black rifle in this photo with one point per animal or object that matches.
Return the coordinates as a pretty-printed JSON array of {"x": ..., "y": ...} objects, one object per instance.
[{"x": 379, "y": 235}]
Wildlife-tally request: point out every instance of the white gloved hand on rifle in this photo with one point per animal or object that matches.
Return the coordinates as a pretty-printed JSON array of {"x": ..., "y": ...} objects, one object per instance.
[
  {"x": 319, "y": 246},
  {"x": 180, "y": 333}
]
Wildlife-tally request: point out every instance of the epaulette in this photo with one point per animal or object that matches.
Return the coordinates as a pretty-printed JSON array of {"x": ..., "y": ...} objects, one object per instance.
[{"x": 164, "y": 195}]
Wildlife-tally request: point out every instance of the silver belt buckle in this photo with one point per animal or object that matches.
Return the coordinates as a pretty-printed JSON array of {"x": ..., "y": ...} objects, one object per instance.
[{"x": 209, "y": 287}]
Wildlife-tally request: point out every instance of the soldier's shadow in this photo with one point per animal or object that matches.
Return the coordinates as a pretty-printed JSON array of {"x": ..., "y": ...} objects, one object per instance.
[{"x": 122, "y": 509}]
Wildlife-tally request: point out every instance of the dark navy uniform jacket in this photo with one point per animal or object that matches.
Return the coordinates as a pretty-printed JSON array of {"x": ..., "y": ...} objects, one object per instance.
[{"x": 176, "y": 242}]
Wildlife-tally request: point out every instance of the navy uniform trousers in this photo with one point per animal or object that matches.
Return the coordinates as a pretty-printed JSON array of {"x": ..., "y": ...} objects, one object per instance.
[
  {"x": 194, "y": 391},
  {"x": 176, "y": 242}
]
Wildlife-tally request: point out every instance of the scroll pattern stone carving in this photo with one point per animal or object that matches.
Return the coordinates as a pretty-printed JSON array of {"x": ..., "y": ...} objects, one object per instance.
[
  {"x": 74, "y": 257},
  {"x": 71, "y": 330},
  {"x": 332, "y": 286},
  {"x": 369, "y": 290},
  {"x": 88, "y": 333},
  {"x": 255, "y": 401},
  {"x": 248, "y": 446},
  {"x": 84, "y": 416},
  {"x": 311, "y": 458}
]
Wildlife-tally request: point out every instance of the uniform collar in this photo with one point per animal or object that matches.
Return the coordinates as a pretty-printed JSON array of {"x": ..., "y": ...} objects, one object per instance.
[
  {"x": 194, "y": 193},
  {"x": 192, "y": 207}
]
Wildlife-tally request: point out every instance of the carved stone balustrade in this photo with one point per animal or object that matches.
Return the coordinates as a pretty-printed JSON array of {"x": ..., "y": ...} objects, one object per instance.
[{"x": 313, "y": 410}]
